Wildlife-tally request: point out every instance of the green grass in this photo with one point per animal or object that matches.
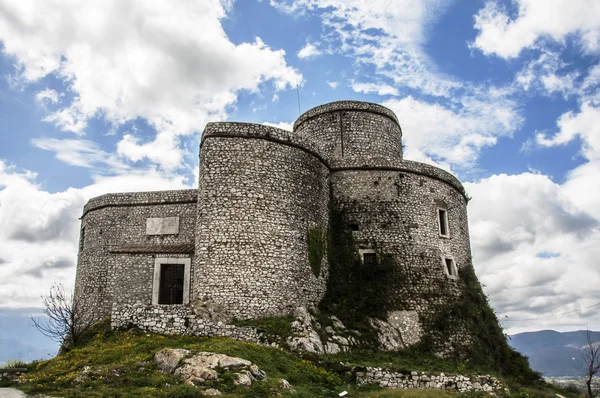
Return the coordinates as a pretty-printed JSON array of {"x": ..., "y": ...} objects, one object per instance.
[
  {"x": 276, "y": 328},
  {"x": 122, "y": 364}
]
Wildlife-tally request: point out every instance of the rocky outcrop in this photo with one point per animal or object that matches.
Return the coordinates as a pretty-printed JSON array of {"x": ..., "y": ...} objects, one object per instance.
[
  {"x": 205, "y": 366},
  {"x": 168, "y": 359},
  {"x": 401, "y": 330}
]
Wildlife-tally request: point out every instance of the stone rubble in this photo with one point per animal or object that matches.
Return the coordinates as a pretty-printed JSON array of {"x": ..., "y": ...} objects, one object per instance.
[{"x": 425, "y": 380}]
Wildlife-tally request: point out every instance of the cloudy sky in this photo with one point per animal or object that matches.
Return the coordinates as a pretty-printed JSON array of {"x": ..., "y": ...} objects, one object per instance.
[{"x": 112, "y": 96}]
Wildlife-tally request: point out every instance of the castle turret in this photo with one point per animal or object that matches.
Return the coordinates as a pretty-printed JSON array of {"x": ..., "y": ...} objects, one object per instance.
[{"x": 353, "y": 134}]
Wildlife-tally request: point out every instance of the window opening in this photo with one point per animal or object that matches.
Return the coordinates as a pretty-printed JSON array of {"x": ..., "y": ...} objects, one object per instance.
[
  {"x": 450, "y": 268},
  {"x": 353, "y": 227},
  {"x": 171, "y": 284},
  {"x": 443, "y": 222},
  {"x": 369, "y": 259}
]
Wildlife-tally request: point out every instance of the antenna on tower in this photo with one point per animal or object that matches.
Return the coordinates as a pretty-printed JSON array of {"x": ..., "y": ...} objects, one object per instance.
[{"x": 298, "y": 92}]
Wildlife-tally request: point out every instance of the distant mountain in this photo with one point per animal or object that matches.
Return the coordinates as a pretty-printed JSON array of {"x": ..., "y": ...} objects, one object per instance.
[
  {"x": 553, "y": 353},
  {"x": 15, "y": 350},
  {"x": 19, "y": 340}
]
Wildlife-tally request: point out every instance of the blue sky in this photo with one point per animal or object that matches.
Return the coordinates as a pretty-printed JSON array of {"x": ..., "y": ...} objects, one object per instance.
[{"x": 113, "y": 96}]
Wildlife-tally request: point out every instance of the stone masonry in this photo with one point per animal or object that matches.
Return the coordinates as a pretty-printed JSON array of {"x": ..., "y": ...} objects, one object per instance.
[{"x": 241, "y": 237}]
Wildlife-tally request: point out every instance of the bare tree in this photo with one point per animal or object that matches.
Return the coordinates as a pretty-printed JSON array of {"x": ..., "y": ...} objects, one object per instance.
[
  {"x": 591, "y": 356},
  {"x": 67, "y": 319}
]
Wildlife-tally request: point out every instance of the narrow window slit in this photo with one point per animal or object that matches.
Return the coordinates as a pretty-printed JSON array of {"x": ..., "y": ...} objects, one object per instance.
[{"x": 443, "y": 222}]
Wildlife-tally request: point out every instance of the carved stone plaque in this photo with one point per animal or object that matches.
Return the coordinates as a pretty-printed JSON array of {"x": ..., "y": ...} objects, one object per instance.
[{"x": 162, "y": 226}]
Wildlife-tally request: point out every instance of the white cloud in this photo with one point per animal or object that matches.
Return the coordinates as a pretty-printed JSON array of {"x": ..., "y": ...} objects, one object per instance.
[
  {"x": 547, "y": 75},
  {"x": 504, "y": 36},
  {"x": 453, "y": 134},
  {"x": 40, "y": 230},
  {"x": 583, "y": 124},
  {"x": 379, "y": 88},
  {"x": 333, "y": 85},
  {"x": 49, "y": 95},
  {"x": 81, "y": 153},
  {"x": 289, "y": 126},
  {"x": 388, "y": 35},
  {"x": 171, "y": 64},
  {"x": 514, "y": 221},
  {"x": 308, "y": 51}
]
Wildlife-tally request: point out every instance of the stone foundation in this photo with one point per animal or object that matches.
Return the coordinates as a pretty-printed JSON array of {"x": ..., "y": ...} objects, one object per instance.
[{"x": 178, "y": 319}]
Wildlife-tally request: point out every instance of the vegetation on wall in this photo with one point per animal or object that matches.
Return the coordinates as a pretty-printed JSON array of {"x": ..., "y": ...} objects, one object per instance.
[
  {"x": 465, "y": 327},
  {"x": 355, "y": 291},
  {"x": 316, "y": 241},
  {"x": 486, "y": 346}
]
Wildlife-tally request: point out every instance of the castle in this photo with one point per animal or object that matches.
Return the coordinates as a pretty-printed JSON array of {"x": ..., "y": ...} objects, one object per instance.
[{"x": 241, "y": 240}]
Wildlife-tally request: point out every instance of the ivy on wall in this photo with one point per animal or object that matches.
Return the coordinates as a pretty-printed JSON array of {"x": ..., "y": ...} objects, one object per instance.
[
  {"x": 459, "y": 320},
  {"x": 316, "y": 240},
  {"x": 355, "y": 291}
]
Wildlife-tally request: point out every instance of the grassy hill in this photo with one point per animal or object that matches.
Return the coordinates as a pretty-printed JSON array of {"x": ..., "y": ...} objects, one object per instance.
[{"x": 121, "y": 364}]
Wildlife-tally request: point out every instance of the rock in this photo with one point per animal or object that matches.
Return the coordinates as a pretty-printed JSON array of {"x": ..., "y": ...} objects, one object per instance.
[
  {"x": 86, "y": 372},
  {"x": 306, "y": 338},
  {"x": 201, "y": 367},
  {"x": 390, "y": 338},
  {"x": 209, "y": 310},
  {"x": 167, "y": 359},
  {"x": 257, "y": 373},
  {"x": 211, "y": 392},
  {"x": 332, "y": 348},
  {"x": 192, "y": 374},
  {"x": 337, "y": 323},
  {"x": 243, "y": 379},
  {"x": 283, "y": 383}
]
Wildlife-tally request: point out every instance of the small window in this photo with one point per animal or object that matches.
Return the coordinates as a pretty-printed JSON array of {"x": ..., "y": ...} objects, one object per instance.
[
  {"x": 450, "y": 268},
  {"x": 368, "y": 257},
  {"x": 443, "y": 222},
  {"x": 353, "y": 227}
]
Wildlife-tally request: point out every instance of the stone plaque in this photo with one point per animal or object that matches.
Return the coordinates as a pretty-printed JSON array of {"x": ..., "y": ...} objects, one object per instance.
[{"x": 162, "y": 226}]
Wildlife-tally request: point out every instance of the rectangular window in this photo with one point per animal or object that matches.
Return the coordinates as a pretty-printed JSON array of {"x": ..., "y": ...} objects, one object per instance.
[
  {"x": 450, "y": 268},
  {"x": 443, "y": 222},
  {"x": 171, "y": 284},
  {"x": 369, "y": 259}
]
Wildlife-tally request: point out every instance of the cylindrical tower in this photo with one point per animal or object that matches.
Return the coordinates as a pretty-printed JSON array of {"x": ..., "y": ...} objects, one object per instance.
[
  {"x": 410, "y": 212},
  {"x": 353, "y": 134},
  {"x": 262, "y": 208}
]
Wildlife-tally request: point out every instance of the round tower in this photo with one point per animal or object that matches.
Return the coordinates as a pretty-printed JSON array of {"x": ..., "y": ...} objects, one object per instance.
[
  {"x": 353, "y": 134},
  {"x": 263, "y": 200},
  {"x": 409, "y": 212}
]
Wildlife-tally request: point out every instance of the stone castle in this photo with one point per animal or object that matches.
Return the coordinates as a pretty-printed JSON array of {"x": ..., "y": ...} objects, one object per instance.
[{"x": 240, "y": 241}]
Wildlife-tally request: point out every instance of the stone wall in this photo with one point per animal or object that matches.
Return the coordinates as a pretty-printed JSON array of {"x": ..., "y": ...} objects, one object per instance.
[
  {"x": 259, "y": 195},
  {"x": 12, "y": 374},
  {"x": 395, "y": 213},
  {"x": 116, "y": 258},
  {"x": 425, "y": 380},
  {"x": 178, "y": 319},
  {"x": 353, "y": 134}
]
